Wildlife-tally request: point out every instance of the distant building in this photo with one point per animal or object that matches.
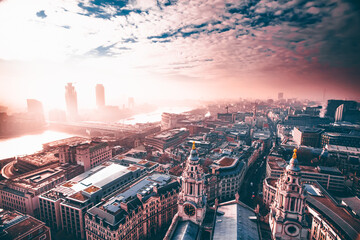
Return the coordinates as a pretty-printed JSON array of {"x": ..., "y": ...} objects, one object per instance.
[
  {"x": 17, "y": 226},
  {"x": 305, "y": 120},
  {"x": 307, "y": 136},
  {"x": 342, "y": 139},
  {"x": 339, "y": 113},
  {"x": 346, "y": 158},
  {"x": 35, "y": 108},
  {"x": 227, "y": 117},
  {"x": 100, "y": 96},
  {"x": 333, "y": 104},
  {"x": 280, "y": 96},
  {"x": 131, "y": 102},
  {"x": 171, "y": 120},
  {"x": 71, "y": 102},
  {"x": 329, "y": 177},
  {"x": 167, "y": 138}
]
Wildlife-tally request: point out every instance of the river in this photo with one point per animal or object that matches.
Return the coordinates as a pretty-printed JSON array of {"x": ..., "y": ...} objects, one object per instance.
[{"x": 29, "y": 144}]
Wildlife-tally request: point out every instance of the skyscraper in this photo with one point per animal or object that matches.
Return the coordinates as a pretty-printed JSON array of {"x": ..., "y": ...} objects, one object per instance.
[
  {"x": 71, "y": 101},
  {"x": 100, "y": 96}
]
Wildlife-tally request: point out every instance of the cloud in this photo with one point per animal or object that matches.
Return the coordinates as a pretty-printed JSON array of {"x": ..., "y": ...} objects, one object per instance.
[
  {"x": 245, "y": 40},
  {"x": 41, "y": 14}
]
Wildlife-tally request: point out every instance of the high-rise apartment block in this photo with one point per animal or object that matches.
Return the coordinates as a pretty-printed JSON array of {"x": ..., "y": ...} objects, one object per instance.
[{"x": 100, "y": 96}]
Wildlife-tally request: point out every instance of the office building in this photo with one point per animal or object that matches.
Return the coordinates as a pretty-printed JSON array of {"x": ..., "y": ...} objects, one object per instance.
[
  {"x": 167, "y": 138},
  {"x": 17, "y": 226},
  {"x": 71, "y": 102},
  {"x": 100, "y": 96},
  {"x": 342, "y": 139},
  {"x": 333, "y": 104},
  {"x": 307, "y": 136},
  {"x": 64, "y": 207},
  {"x": 92, "y": 154},
  {"x": 346, "y": 158},
  {"x": 22, "y": 193},
  {"x": 171, "y": 120}
]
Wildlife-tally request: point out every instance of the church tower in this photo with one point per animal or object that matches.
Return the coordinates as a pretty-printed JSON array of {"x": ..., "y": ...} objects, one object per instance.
[
  {"x": 287, "y": 213},
  {"x": 192, "y": 198}
]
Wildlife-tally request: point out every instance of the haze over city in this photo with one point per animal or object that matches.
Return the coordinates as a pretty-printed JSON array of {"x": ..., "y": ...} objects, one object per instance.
[{"x": 160, "y": 50}]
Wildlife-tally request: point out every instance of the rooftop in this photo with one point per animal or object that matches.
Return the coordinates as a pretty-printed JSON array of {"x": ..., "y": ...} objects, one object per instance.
[
  {"x": 40, "y": 158},
  {"x": 79, "y": 196},
  {"x": 225, "y": 161},
  {"x": 338, "y": 148},
  {"x": 309, "y": 130},
  {"x": 235, "y": 221},
  {"x": 17, "y": 224},
  {"x": 168, "y": 134},
  {"x": 185, "y": 230},
  {"x": 336, "y": 215},
  {"x": 66, "y": 141}
]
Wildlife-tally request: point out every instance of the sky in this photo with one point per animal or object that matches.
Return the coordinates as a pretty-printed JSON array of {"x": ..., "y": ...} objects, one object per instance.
[{"x": 159, "y": 50}]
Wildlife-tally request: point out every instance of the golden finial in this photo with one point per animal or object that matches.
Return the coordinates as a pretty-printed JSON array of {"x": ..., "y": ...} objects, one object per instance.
[
  {"x": 294, "y": 155},
  {"x": 193, "y": 147}
]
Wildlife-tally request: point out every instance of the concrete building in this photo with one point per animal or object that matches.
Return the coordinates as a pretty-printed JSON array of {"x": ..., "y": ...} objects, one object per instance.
[
  {"x": 307, "y": 136},
  {"x": 92, "y": 154},
  {"x": 142, "y": 210},
  {"x": 35, "y": 108},
  {"x": 71, "y": 102},
  {"x": 171, "y": 120},
  {"x": 22, "y": 193},
  {"x": 334, "y": 104},
  {"x": 346, "y": 158},
  {"x": 100, "y": 96},
  {"x": 64, "y": 207},
  {"x": 17, "y": 226},
  {"x": 342, "y": 139},
  {"x": 167, "y": 138}
]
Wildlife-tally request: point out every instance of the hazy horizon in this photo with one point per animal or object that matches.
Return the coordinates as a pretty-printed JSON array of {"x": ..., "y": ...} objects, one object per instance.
[{"x": 157, "y": 51}]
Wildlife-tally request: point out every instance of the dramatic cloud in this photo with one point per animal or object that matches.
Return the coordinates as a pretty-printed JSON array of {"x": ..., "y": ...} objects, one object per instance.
[{"x": 223, "y": 47}]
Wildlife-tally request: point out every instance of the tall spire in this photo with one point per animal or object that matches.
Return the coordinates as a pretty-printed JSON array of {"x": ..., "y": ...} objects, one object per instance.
[{"x": 193, "y": 146}]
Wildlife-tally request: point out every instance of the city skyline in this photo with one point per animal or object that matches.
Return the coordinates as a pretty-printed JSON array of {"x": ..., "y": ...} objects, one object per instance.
[{"x": 204, "y": 50}]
